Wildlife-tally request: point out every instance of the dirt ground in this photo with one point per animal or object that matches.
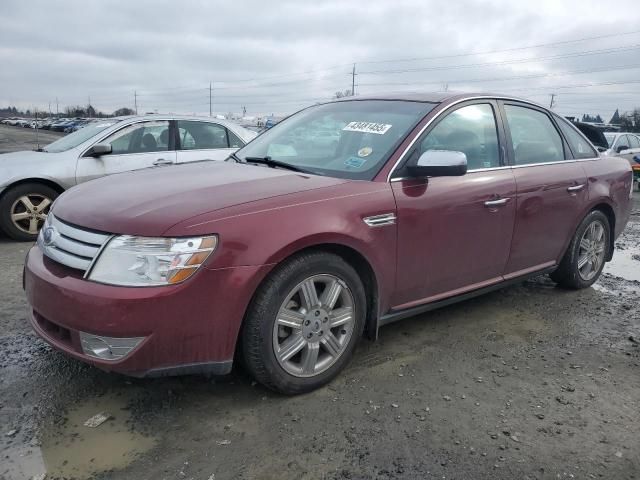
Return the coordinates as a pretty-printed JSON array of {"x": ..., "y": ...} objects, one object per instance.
[
  {"x": 529, "y": 382},
  {"x": 13, "y": 139}
]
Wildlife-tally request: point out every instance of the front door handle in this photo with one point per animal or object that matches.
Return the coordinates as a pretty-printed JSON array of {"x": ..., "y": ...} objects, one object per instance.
[
  {"x": 496, "y": 203},
  {"x": 575, "y": 188},
  {"x": 162, "y": 161}
]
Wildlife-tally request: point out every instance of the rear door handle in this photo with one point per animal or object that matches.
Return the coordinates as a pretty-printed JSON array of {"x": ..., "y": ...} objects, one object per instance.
[
  {"x": 162, "y": 161},
  {"x": 575, "y": 188},
  {"x": 496, "y": 203}
]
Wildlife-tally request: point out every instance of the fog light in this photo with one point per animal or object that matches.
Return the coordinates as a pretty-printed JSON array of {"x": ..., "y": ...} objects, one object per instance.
[{"x": 108, "y": 348}]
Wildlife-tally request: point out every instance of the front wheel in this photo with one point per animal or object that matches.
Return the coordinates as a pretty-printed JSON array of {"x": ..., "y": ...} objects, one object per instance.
[
  {"x": 23, "y": 210},
  {"x": 304, "y": 322},
  {"x": 584, "y": 260}
]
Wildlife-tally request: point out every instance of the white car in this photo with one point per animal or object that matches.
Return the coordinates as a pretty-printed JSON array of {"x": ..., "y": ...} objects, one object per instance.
[
  {"x": 31, "y": 180},
  {"x": 622, "y": 144}
]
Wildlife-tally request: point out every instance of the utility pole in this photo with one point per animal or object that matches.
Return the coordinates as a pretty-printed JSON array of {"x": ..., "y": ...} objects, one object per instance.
[
  {"x": 553, "y": 98},
  {"x": 57, "y": 111},
  {"x": 353, "y": 80},
  {"x": 135, "y": 101},
  {"x": 37, "y": 136},
  {"x": 210, "y": 94},
  {"x": 49, "y": 108}
]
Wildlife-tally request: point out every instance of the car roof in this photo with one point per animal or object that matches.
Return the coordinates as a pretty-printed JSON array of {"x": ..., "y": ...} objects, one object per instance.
[
  {"x": 434, "y": 97},
  {"x": 172, "y": 116}
]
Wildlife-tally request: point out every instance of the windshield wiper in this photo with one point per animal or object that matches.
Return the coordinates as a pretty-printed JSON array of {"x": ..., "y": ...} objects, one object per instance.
[{"x": 270, "y": 162}]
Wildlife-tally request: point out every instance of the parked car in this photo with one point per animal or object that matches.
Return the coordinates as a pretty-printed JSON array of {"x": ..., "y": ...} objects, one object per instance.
[
  {"x": 289, "y": 257},
  {"x": 30, "y": 181},
  {"x": 623, "y": 144},
  {"x": 76, "y": 125},
  {"x": 61, "y": 125},
  {"x": 595, "y": 135}
]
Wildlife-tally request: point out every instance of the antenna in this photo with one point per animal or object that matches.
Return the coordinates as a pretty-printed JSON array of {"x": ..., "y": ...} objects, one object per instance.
[{"x": 353, "y": 80}]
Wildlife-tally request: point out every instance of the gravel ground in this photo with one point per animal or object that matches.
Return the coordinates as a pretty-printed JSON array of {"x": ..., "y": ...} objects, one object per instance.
[
  {"x": 13, "y": 139},
  {"x": 527, "y": 382}
]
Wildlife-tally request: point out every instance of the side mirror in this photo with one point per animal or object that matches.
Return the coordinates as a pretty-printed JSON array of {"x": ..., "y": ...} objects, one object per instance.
[
  {"x": 439, "y": 163},
  {"x": 621, "y": 148},
  {"x": 98, "y": 149}
]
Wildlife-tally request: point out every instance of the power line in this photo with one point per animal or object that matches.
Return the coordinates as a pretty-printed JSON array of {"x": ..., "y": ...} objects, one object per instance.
[
  {"x": 488, "y": 52},
  {"x": 500, "y": 79},
  {"x": 507, "y": 62}
]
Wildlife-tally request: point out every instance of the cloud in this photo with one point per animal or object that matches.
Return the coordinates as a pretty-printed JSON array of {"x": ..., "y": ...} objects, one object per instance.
[{"x": 280, "y": 56}]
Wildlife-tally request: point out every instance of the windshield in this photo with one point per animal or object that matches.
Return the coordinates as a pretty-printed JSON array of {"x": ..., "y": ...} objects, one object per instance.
[
  {"x": 349, "y": 139},
  {"x": 76, "y": 138},
  {"x": 610, "y": 138}
]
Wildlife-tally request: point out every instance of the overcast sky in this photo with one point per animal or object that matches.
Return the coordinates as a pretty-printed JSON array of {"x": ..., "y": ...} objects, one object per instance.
[{"x": 281, "y": 55}]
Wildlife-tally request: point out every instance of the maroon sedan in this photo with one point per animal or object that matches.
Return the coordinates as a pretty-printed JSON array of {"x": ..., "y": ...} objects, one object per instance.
[{"x": 344, "y": 217}]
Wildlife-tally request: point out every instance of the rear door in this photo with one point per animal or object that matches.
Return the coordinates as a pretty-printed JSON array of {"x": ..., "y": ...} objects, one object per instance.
[
  {"x": 454, "y": 233},
  {"x": 551, "y": 188},
  {"x": 201, "y": 140},
  {"x": 139, "y": 145}
]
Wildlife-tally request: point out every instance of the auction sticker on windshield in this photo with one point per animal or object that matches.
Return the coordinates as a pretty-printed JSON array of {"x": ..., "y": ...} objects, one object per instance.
[{"x": 367, "y": 127}]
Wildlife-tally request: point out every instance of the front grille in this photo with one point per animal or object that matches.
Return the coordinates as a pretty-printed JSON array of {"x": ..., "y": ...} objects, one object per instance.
[{"x": 71, "y": 246}]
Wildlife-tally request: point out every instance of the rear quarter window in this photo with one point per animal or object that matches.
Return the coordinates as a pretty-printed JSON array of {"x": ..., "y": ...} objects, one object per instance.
[{"x": 580, "y": 147}]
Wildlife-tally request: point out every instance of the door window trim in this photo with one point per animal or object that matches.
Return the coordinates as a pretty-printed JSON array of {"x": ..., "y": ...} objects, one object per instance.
[
  {"x": 434, "y": 122},
  {"x": 226, "y": 134},
  {"x": 122, "y": 127},
  {"x": 510, "y": 149}
]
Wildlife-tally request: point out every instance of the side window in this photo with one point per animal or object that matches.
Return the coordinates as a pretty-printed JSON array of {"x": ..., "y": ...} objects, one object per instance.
[
  {"x": 535, "y": 139},
  {"x": 140, "y": 138},
  {"x": 201, "y": 135},
  {"x": 622, "y": 143},
  {"x": 234, "y": 141},
  {"x": 633, "y": 141},
  {"x": 579, "y": 146},
  {"x": 470, "y": 130}
]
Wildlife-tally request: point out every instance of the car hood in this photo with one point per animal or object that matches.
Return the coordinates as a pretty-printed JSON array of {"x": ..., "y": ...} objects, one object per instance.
[
  {"x": 24, "y": 158},
  {"x": 149, "y": 202}
]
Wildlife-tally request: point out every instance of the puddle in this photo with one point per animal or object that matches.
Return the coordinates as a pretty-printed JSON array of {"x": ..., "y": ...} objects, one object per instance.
[
  {"x": 625, "y": 264},
  {"x": 73, "y": 451}
]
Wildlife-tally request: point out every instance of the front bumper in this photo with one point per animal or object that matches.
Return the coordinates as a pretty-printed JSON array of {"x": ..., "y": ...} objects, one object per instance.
[{"x": 186, "y": 328}]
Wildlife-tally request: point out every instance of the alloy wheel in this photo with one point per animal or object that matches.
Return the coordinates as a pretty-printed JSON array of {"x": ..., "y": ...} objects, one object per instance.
[
  {"x": 314, "y": 325},
  {"x": 29, "y": 212},
  {"x": 591, "y": 251}
]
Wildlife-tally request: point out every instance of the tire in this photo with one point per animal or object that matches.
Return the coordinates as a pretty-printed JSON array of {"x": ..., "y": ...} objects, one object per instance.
[
  {"x": 39, "y": 197},
  {"x": 285, "y": 298},
  {"x": 570, "y": 274}
]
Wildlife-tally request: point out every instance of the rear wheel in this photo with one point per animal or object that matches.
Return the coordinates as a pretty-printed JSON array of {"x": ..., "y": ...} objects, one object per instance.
[
  {"x": 584, "y": 260},
  {"x": 23, "y": 210},
  {"x": 304, "y": 323}
]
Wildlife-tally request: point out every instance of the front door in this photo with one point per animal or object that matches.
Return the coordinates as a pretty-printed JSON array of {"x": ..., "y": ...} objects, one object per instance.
[
  {"x": 136, "y": 146},
  {"x": 552, "y": 190},
  {"x": 454, "y": 232}
]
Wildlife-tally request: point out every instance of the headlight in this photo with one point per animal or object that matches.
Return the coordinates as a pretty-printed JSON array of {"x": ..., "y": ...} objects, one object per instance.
[{"x": 145, "y": 261}]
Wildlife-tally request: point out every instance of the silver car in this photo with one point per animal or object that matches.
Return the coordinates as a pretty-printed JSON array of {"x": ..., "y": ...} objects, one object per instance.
[
  {"x": 31, "y": 180},
  {"x": 623, "y": 144}
]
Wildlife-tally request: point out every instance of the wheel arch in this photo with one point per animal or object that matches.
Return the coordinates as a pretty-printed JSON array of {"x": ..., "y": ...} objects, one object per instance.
[
  {"x": 353, "y": 257},
  {"x": 43, "y": 181},
  {"x": 611, "y": 216}
]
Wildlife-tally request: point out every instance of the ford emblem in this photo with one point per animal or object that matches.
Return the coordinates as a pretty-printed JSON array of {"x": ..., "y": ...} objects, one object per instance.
[{"x": 48, "y": 235}]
